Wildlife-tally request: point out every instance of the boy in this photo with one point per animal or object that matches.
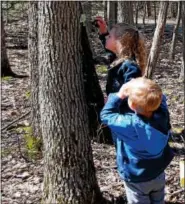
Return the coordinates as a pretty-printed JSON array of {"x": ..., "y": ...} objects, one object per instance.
[{"x": 141, "y": 139}]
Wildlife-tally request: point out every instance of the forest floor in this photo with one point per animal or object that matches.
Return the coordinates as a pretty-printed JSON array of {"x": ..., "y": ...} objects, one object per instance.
[{"x": 21, "y": 179}]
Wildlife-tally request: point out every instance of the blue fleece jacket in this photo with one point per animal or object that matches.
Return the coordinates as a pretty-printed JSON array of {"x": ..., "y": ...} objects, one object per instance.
[
  {"x": 120, "y": 74},
  {"x": 141, "y": 143}
]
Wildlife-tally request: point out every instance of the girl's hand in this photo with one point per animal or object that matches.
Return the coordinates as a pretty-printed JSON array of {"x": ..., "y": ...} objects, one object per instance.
[{"x": 101, "y": 25}]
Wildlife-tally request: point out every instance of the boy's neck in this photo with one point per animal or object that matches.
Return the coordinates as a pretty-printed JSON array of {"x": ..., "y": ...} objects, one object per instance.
[{"x": 146, "y": 114}]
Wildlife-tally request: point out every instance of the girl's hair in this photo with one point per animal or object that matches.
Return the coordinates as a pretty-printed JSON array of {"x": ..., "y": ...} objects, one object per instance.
[
  {"x": 132, "y": 43},
  {"x": 145, "y": 94}
]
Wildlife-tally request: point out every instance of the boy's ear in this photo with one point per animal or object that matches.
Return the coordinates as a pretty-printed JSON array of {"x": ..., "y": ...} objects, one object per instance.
[{"x": 132, "y": 105}]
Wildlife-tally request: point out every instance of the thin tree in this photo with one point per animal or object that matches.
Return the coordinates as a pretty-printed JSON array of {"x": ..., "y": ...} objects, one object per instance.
[
  {"x": 148, "y": 5},
  {"x": 69, "y": 173},
  {"x": 125, "y": 12},
  {"x": 175, "y": 31},
  {"x": 154, "y": 51},
  {"x": 111, "y": 13},
  {"x": 183, "y": 39},
  {"x": 33, "y": 66}
]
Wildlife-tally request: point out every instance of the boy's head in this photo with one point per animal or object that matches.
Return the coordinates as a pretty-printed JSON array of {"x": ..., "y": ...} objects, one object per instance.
[
  {"x": 144, "y": 95},
  {"x": 126, "y": 41}
]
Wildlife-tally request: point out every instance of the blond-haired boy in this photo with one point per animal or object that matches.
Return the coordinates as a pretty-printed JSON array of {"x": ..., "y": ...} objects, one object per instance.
[{"x": 141, "y": 137}]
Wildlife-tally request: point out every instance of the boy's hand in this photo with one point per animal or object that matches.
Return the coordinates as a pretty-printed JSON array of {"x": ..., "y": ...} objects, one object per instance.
[
  {"x": 101, "y": 25},
  {"x": 125, "y": 90}
]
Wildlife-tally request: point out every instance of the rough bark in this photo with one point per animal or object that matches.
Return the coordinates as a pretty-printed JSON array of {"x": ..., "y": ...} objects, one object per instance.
[
  {"x": 183, "y": 39},
  {"x": 175, "y": 31},
  {"x": 125, "y": 12},
  {"x": 154, "y": 51},
  {"x": 111, "y": 13},
  {"x": 69, "y": 173},
  {"x": 33, "y": 66}
]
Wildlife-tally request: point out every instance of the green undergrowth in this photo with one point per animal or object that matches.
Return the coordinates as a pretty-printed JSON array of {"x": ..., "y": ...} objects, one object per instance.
[
  {"x": 32, "y": 144},
  {"x": 6, "y": 78},
  {"x": 101, "y": 69}
]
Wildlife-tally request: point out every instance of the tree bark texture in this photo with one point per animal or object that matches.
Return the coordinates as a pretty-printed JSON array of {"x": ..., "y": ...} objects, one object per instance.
[
  {"x": 69, "y": 173},
  {"x": 154, "y": 51},
  {"x": 33, "y": 66},
  {"x": 125, "y": 12},
  {"x": 111, "y": 13},
  {"x": 175, "y": 31},
  {"x": 183, "y": 41}
]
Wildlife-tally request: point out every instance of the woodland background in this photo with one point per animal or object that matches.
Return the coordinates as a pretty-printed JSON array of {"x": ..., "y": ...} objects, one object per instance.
[{"x": 22, "y": 163}]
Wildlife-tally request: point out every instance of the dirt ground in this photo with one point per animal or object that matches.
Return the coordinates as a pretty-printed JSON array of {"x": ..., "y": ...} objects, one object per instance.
[{"x": 22, "y": 180}]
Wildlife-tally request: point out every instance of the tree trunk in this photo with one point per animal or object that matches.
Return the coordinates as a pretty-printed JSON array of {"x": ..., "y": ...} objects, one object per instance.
[
  {"x": 154, "y": 51},
  {"x": 144, "y": 14},
  {"x": 136, "y": 12},
  {"x": 183, "y": 41},
  {"x": 33, "y": 66},
  {"x": 125, "y": 12},
  {"x": 69, "y": 173},
  {"x": 155, "y": 13},
  {"x": 173, "y": 7},
  {"x": 148, "y": 8},
  {"x": 5, "y": 65},
  {"x": 111, "y": 13},
  {"x": 87, "y": 10},
  {"x": 175, "y": 31},
  {"x": 105, "y": 10}
]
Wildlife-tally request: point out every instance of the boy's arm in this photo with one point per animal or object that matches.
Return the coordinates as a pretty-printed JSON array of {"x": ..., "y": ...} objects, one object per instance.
[{"x": 110, "y": 114}]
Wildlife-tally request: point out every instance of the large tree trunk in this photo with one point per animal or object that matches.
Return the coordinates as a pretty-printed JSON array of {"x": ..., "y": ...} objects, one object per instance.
[
  {"x": 154, "y": 51},
  {"x": 175, "y": 31},
  {"x": 33, "y": 66},
  {"x": 125, "y": 12},
  {"x": 111, "y": 13},
  {"x": 183, "y": 39},
  {"x": 69, "y": 173}
]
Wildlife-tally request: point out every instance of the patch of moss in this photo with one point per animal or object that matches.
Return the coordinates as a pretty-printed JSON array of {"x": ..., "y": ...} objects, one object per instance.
[
  {"x": 28, "y": 94},
  {"x": 101, "y": 69},
  {"x": 33, "y": 144},
  {"x": 177, "y": 130},
  {"x": 6, "y": 78}
]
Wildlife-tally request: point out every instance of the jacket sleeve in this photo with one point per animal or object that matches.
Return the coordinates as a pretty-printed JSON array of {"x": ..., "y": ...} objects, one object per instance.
[
  {"x": 130, "y": 71},
  {"x": 110, "y": 115},
  {"x": 164, "y": 107}
]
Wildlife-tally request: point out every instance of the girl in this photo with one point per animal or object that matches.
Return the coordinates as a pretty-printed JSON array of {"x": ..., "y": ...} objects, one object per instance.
[{"x": 127, "y": 53}]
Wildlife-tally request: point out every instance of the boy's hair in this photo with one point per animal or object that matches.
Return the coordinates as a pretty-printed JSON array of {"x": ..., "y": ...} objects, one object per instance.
[
  {"x": 145, "y": 94},
  {"x": 132, "y": 43}
]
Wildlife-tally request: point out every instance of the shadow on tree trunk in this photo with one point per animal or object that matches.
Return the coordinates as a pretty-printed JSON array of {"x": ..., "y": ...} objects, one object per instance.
[{"x": 93, "y": 93}]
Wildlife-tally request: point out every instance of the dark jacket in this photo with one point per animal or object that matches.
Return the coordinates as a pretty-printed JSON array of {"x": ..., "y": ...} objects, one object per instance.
[{"x": 141, "y": 143}]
